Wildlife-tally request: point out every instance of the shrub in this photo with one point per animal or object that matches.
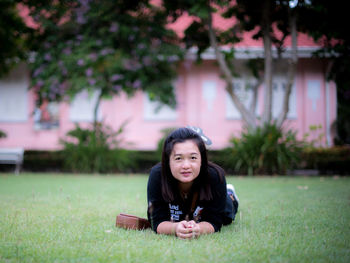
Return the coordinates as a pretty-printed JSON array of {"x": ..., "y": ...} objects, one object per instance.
[
  {"x": 2, "y": 134},
  {"x": 334, "y": 160},
  {"x": 225, "y": 158},
  {"x": 43, "y": 161},
  {"x": 143, "y": 161},
  {"x": 266, "y": 150},
  {"x": 314, "y": 138},
  {"x": 165, "y": 132},
  {"x": 94, "y": 150}
]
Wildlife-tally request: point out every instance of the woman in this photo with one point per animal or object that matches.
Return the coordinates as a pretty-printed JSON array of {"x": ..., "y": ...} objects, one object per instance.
[{"x": 187, "y": 195}]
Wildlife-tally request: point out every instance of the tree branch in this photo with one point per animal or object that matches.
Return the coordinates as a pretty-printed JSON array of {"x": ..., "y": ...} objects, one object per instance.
[
  {"x": 266, "y": 25},
  {"x": 255, "y": 96},
  {"x": 292, "y": 64},
  {"x": 248, "y": 118}
]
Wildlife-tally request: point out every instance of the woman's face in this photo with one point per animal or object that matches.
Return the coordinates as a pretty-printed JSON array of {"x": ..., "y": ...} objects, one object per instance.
[{"x": 185, "y": 161}]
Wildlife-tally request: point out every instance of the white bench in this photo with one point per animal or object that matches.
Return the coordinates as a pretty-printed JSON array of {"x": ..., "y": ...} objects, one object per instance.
[{"x": 12, "y": 156}]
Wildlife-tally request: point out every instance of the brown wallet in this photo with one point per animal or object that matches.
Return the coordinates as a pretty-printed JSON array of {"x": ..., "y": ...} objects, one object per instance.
[{"x": 132, "y": 222}]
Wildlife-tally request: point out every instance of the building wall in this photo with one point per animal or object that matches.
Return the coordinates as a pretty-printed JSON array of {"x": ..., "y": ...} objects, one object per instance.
[{"x": 201, "y": 101}]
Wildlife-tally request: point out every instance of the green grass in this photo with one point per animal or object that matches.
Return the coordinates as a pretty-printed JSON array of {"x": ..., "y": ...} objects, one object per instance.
[{"x": 70, "y": 218}]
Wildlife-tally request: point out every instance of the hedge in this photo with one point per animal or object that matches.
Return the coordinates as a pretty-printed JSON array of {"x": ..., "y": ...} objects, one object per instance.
[
  {"x": 53, "y": 161},
  {"x": 335, "y": 160}
]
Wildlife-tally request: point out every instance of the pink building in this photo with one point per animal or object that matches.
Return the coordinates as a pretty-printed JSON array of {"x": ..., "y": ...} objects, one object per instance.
[{"x": 201, "y": 101}]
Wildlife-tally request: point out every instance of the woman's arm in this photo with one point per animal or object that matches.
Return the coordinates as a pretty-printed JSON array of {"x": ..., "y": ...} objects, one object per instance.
[
  {"x": 167, "y": 228},
  {"x": 206, "y": 228},
  {"x": 185, "y": 229}
]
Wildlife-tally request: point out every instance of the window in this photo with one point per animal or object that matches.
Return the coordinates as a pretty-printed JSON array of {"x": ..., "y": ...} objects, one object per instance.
[
  {"x": 244, "y": 91},
  {"x": 279, "y": 87},
  {"x": 14, "y": 96},
  {"x": 82, "y": 107},
  {"x": 314, "y": 92},
  {"x": 46, "y": 117},
  {"x": 209, "y": 93}
]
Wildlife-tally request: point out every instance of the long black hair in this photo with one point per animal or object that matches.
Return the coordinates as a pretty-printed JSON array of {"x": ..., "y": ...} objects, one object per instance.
[{"x": 202, "y": 182}]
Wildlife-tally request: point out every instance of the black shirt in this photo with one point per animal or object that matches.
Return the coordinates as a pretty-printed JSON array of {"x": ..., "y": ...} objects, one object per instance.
[{"x": 211, "y": 211}]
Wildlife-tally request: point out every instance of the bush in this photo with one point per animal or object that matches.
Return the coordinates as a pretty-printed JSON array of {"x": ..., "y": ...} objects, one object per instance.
[
  {"x": 225, "y": 158},
  {"x": 43, "y": 161},
  {"x": 2, "y": 134},
  {"x": 334, "y": 160},
  {"x": 266, "y": 150},
  {"x": 143, "y": 161},
  {"x": 165, "y": 132},
  {"x": 94, "y": 150},
  {"x": 54, "y": 161},
  {"x": 326, "y": 160}
]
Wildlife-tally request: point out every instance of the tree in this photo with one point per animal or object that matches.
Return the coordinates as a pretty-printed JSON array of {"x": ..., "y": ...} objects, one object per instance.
[
  {"x": 326, "y": 21},
  {"x": 13, "y": 36},
  {"x": 102, "y": 46},
  {"x": 265, "y": 18}
]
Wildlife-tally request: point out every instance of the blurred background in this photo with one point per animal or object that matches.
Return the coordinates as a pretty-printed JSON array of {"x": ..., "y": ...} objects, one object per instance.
[{"x": 94, "y": 86}]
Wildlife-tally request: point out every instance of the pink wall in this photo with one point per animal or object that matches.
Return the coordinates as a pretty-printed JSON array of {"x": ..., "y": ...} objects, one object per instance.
[
  {"x": 312, "y": 107},
  {"x": 192, "y": 109}
]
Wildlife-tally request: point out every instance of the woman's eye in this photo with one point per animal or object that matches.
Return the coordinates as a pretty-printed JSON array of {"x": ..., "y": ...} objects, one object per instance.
[
  {"x": 177, "y": 158},
  {"x": 194, "y": 158}
]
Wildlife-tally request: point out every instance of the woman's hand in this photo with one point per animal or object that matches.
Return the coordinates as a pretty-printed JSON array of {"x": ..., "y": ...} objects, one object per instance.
[{"x": 187, "y": 230}]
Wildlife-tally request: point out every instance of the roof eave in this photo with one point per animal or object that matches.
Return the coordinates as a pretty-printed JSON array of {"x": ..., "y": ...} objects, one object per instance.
[{"x": 252, "y": 52}]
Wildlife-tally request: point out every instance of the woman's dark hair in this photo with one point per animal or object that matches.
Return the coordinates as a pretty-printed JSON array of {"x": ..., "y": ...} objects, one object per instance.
[{"x": 201, "y": 183}]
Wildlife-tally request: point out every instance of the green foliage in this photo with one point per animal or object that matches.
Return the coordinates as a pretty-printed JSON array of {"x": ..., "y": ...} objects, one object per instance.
[
  {"x": 54, "y": 161},
  {"x": 165, "y": 132},
  {"x": 266, "y": 150},
  {"x": 314, "y": 138},
  {"x": 196, "y": 34},
  {"x": 109, "y": 46},
  {"x": 94, "y": 150},
  {"x": 13, "y": 36},
  {"x": 251, "y": 16},
  {"x": 225, "y": 158},
  {"x": 335, "y": 40},
  {"x": 329, "y": 161},
  {"x": 43, "y": 161},
  {"x": 2, "y": 134},
  {"x": 333, "y": 160},
  {"x": 142, "y": 161},
  {"x": 343, "y": 111}
]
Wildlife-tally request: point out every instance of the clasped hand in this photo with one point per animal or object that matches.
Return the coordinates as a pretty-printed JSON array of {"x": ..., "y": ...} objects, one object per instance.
[{"x": 187, "y": 229}]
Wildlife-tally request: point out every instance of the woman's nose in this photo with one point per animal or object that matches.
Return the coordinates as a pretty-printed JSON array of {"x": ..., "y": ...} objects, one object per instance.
[{"x": 186, "y": 164}]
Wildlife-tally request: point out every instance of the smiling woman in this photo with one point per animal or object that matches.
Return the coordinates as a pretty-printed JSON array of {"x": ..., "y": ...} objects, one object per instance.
[{"x": 187, "y": 195}]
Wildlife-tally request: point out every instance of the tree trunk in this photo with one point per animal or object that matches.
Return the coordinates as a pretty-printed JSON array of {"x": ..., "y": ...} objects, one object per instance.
[
  {"x": 248, "y": 118},
  {"x": 97, "y": 106},
  {"x": 266, "y": 24},
  {"x": 292, "y": 64},
  {"x": 255, "y": 96}
]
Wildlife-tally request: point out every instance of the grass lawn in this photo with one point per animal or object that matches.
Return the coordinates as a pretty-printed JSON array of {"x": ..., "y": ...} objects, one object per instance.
[{"x": 70, "y": 218}]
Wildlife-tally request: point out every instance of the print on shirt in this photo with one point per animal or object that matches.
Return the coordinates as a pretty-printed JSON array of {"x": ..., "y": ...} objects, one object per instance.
[
  {"x": 197, "y": 214},
  {"x": 175, "y": 212}
]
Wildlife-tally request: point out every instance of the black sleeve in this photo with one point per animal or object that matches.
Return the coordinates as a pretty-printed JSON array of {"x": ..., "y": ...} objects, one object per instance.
[
  {"x": 158, "y": 209},
  {"x": 214, "y": 210}
]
